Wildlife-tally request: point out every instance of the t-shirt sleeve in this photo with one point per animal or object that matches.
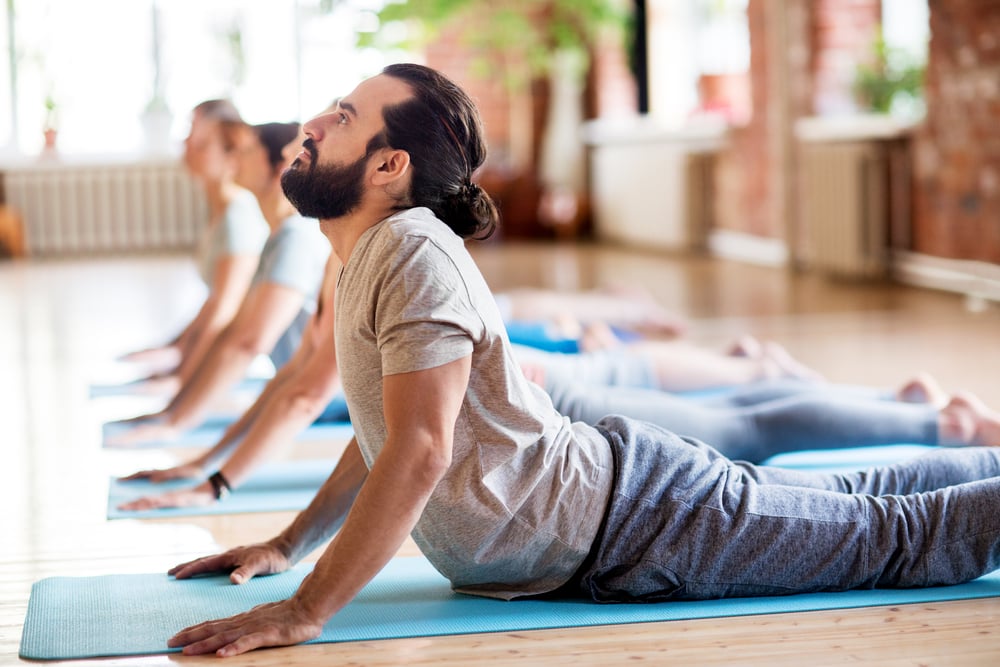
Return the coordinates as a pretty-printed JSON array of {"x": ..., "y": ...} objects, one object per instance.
[
  {"x": 425, "y": 316},
  {"x": 244, "y": 229},
  {"x": 296, "y": 261}
]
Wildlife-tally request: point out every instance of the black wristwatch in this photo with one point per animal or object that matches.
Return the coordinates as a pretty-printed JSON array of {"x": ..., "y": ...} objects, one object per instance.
[{"x": 220, "y": 485}]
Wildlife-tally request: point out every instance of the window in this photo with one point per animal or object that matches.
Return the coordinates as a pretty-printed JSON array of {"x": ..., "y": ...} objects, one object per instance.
[
  {"x": 699, "y": 59},
  {"x": 103, "y": 63}
]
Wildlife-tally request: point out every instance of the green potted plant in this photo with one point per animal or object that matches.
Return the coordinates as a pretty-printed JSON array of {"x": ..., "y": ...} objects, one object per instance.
[
  {"x": 518, "y": 42},
  {"x": 887, "y": 78}
]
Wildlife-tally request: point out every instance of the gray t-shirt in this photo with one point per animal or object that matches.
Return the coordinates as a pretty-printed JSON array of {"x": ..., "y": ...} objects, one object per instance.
[
  {"x": 241, "y": 231},
  {"x": 518, "y": 510},
  {"x": 294, "y": 256}
]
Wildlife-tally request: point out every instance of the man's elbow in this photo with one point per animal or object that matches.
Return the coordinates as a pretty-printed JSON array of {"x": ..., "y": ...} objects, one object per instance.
[{"x": 434, "y": 460}]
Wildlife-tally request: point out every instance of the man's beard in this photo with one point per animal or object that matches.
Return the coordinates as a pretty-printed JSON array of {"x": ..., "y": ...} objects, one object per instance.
[{"x": 324, "y": 191}]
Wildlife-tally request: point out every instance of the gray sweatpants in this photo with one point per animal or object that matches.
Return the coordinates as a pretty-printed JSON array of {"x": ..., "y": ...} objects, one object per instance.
[{"x": 685, "y": 522}]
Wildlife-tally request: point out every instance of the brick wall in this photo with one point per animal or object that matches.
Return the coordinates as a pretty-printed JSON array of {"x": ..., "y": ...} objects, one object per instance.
[
  {"x": 823, "y": 41},
  {"x": 957, "y": 151},
  {"x": 746, "y": 199},
  {"x": 842, "y": 33},
  {"x": 514, "y": 117}
]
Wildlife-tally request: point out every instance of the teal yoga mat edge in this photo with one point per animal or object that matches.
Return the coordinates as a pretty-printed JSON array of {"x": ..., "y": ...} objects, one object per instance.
[{"x": 384, "y": 609}]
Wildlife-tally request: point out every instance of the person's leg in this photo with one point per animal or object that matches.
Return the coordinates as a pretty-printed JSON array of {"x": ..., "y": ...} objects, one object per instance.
[
  {"x": 756, "y": 432},
  {"x": 769, "y": 390},
  {"x": 611, "y": 368},
  {"x": 922, "y": 388},
  {"x": 685, "y": 523}
]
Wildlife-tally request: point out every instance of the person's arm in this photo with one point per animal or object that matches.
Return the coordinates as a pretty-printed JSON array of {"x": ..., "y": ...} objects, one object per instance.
[
  {"x": 230, "y": 282},
  {"x": 421, "y": 409},
  {"x": 313, "y": 526},
  {"x": 279, "y": 414},
  {"x": 265, "y": 314},
  {"x": 199, "y": 466}
]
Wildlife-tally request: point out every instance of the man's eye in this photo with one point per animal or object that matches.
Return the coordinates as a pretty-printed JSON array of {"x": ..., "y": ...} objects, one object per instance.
[{"x": 343, "y": 118}]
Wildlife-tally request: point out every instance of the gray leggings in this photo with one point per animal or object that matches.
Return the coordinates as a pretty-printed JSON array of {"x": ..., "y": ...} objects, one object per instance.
[
  {"x": 685, "y": 522},
  {"x": 755, "y": 422}
]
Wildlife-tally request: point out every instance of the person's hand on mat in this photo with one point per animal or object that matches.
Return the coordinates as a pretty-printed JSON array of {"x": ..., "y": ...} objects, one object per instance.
[
  {"x": 196, "y": 496},
  {"x": 192, "y": 470},
  {"x": 144, "y": 429},
  {"x": 242, "y": 563},
  {"x": 271, "y": 624},
  {"x": 167, "y": 355},
  {"x": 159, "y": 384}
]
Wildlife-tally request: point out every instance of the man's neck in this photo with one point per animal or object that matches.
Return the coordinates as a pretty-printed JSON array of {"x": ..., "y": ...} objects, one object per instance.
[{"x": 344, "y": 232}]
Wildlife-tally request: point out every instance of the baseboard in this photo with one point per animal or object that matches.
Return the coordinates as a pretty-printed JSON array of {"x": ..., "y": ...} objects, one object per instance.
[
  {"x": 742, "y": 247},
  {"x": 979, "y": 281}
]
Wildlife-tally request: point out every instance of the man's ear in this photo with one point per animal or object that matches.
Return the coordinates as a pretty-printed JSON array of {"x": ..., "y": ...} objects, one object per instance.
[{"x": 390, "y": 166}]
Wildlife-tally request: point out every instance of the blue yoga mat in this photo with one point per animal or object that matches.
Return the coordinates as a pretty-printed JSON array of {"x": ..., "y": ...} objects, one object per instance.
[
  {"x": 277, "y": 487},
  {"x": 134, "y": 387},
  {"x": 847, "y": 459},
  {"x": 210, "y": 432},
  {"x": 122, "y": 615}
]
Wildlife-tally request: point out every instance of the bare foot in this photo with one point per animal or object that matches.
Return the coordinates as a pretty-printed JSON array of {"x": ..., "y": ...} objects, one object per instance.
[
  {"x": 922, "y": 389},
  {"x": 746, "y": 346},
  {"x": 598, "y": 336},
  {"x": 966, "y": 421}
]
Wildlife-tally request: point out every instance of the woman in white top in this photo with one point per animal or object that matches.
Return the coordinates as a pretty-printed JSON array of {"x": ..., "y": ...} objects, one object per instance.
[{"x": 228, "y": 248}]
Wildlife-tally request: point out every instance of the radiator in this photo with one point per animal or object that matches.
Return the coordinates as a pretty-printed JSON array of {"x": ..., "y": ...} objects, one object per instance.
[
  {"x": 98, "y": 209},
  {"x": 845, "y": 208},
  {"x": 652, "y": 188}
]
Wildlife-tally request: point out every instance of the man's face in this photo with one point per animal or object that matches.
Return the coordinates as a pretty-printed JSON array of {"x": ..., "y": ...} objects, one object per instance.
[
  {"x": 328, "y": 178},
  {"x": 324, "y": 191}
]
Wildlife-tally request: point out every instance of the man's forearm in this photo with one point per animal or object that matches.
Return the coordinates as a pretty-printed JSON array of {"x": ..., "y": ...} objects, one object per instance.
[
  {"x": 276, "y": 424},
  {"x": 326, "y": 513},
  {"x": 383, "y": 515}
]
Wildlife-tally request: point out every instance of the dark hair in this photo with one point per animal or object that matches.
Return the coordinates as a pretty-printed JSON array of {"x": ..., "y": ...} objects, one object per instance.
[
  {"x": 441, "y": 130},
  {"x": 274, "y": 137}
]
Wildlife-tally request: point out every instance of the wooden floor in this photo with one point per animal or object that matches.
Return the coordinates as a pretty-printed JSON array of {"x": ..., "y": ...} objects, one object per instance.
[{"x": 62, "y": 321}]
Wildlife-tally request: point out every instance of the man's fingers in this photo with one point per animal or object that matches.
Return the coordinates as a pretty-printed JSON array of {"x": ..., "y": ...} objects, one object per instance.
[
  {"x": 197, "y": 638},
  {"x": 243, "y": 574},
  {"x": 213, "y": 642},
  {"x": 244, "y": 644},
  {"x": 200, "y": 566}
]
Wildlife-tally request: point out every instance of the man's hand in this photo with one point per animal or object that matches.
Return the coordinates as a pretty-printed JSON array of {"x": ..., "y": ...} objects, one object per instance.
[
  {"x": 272, "y": 624},
  {"x": 243, "y": 563},
  {"x": 196, "y": 496},
  {"x": 183, "y": 471}
]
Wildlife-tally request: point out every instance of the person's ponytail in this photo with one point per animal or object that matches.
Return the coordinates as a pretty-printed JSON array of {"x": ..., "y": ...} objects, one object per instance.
[
  {"x": 470, "y": 212},
  {"x": 441, "y": 130}
]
